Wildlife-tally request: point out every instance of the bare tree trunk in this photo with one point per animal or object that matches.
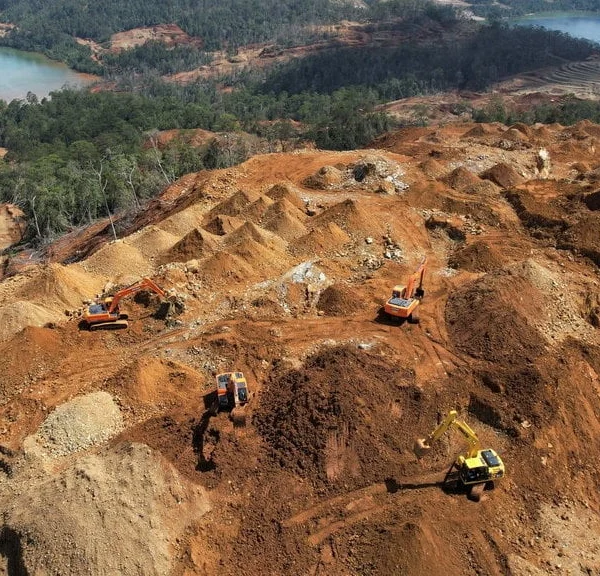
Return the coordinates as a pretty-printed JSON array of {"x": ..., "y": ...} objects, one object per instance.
[
  {"x": 35, "y": 218},
  {"x": 103, "y": 185}
]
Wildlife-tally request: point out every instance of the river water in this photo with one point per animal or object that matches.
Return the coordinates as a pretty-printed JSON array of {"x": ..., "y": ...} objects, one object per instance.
[
  {"x": 23, "y": 72},
  {"x": 585, "y": 25}
]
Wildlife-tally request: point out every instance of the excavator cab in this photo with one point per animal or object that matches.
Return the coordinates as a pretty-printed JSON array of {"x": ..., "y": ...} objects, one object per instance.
[{"x": 233, "y": 395}]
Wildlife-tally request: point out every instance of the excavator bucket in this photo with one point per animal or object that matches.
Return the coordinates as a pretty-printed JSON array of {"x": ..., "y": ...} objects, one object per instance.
[{"x": 421, "y": 447}]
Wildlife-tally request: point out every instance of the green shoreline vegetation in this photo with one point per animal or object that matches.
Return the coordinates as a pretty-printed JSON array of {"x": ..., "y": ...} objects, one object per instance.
[{"x": 76, "y": 155}]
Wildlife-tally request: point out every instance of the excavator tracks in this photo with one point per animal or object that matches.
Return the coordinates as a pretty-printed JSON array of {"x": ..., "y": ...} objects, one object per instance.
[{"x": 114, "y": 325}]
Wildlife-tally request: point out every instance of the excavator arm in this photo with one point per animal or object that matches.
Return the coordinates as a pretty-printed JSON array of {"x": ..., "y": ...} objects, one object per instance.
[
  {"x": 410, "y": 290},
  {"x": 423, "y": 445},
  {"x": 144, "y": 284}
]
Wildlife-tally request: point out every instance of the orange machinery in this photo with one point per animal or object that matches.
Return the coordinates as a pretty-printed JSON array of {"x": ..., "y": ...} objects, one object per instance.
[
  {"x": 106, "y": 313},
  {"x": 406, "y": 299}
]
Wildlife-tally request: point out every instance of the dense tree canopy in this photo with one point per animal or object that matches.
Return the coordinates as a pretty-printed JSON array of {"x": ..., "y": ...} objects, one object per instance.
[{"x": 77, "y": 155}]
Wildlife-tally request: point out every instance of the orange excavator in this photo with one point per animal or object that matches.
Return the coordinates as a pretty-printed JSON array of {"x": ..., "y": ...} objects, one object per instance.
[
  {"x": 106, "y": 313},
  {"x": 405, "y": 299}
]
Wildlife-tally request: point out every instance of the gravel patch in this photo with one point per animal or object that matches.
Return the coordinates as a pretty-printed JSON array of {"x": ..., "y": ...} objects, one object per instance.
[{"x": 80, "y": 423}]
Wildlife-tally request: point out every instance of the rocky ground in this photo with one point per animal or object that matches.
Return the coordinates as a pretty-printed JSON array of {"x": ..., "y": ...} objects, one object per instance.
[{"x": 110, "y": 462}]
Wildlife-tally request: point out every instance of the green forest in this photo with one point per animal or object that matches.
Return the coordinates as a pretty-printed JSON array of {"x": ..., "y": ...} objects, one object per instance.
[{"x": 78, "y": 155}]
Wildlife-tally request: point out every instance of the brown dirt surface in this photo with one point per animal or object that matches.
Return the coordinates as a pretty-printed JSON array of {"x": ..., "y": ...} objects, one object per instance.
[
  {"x": 12, "y": 225},
  {"x": 339, "y": 300},
  {"x": 476, "y": 257},
  {"x": 195, "y": 244},
  {"x": 503, "y": 175},
  {"x": 286, "y": 283}
]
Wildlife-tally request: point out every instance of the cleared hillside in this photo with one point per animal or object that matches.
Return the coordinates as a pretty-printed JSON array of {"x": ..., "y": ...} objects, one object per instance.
[{"x": 284, "y": 263}]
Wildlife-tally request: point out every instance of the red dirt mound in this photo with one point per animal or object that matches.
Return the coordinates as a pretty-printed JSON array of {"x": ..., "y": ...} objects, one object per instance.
[
  {"x": 398, "y": 547},
  {"x": 432, "y": 168},
  {"x": 225, "y": 267},
  {"x": 326, "y": 177},
  {"x": 321, "y": 240},
  {"x": 282, "y": 191},
  {"x": 476, "y": 257},
  {"x": 196, "y": 244},
  {"x": 319, "y": 421},
  {"x": 351, "y": 217},
  {"x": 284, "y": 222},
  {"x": 339, "y": 300},
  {"x": 504, "y": 175},
  {"x": 234, "y": 205},
  {"x": 461, "y": 179},
  {"x": 488, "y": 318},
  {"x": 221, "y": 224},
  {"x": 267, "y": 259},
  {"x": 250, "y": 232},
  {"x": 255, "y": 211}
]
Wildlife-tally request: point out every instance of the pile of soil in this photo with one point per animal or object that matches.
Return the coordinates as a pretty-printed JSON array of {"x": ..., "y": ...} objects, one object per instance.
[
  {"x": 583, "y": 236},
  {"x": 400, "y": 547},
  {"x": 489, "y": 318},
  {"x": 58, "y": 287},
  {"x": 525, "y": 130},
  {"x": 43, "y": 346},
  {"x": 432, "y": 168},
  {"x": 258, "y": 254},
  {"x": 482, "y": 130},
  {"x": 234, "y": 205},
  {"x": 152, "y": 241},
  {"x": 222, "y": 225},
  {"x": 17, "y": 315},
  {"x": 351, "y": 216},
  {"x": 181, "y": 223},
  {"x": 284, "y": 223},
  {"x": 326, "y": 177},
  {"x": 504, "y": 175},
  {"x": 76, "y": 425},
  {"x": 256, "y": 210},
  {"x": 121, "y": 512},
  {"x": 12, "y": 225},
  {"x": 339, "y": 300},
  {"x": 324, "y": 422},
  {"x": 118, "y": 259},
  {"x": 476, "y": 257},
  {"x": 157, "y": 382},
  {"x": 461, "y": 179},
  {"x": 285, "y": 192},
  {"x": 195, "y": 244},
  {"x": 321, "y": 240},
  {"x": 250, "y": 232},
  {"x": 223, "y": 268}
]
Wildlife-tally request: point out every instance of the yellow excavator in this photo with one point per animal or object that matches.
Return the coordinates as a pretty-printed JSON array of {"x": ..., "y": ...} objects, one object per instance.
[{"x": 477, "y": 467}]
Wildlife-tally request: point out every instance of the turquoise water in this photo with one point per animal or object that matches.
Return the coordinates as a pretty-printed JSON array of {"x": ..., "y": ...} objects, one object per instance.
[
  {"x": 23, "y": 72},
  {"x": 578, "y": 25}
]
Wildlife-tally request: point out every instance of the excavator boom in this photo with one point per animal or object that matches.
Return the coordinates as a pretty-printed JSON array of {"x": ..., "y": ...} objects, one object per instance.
[{"x": 144, "y": 284}]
